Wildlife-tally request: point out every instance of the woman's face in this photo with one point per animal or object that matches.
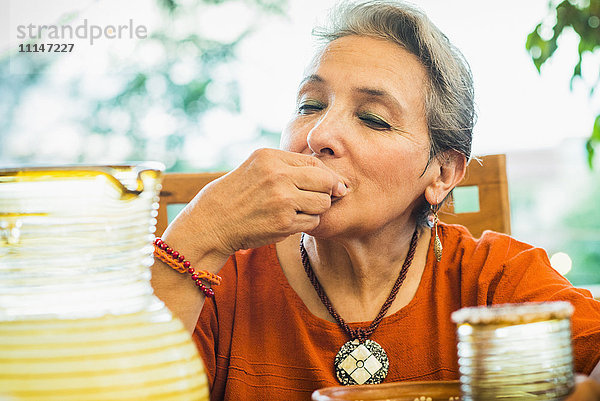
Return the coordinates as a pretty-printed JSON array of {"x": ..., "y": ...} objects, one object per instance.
[{"x": 360, "y": 109}]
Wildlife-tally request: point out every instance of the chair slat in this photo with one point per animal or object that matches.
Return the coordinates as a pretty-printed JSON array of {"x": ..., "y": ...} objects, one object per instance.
[
  {"x": 180, "y": 188},
  {"x": 489, "y": 175}
]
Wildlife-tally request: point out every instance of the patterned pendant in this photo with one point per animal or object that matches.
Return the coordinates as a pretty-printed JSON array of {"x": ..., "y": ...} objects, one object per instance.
[{"x": 357, "y": 363}]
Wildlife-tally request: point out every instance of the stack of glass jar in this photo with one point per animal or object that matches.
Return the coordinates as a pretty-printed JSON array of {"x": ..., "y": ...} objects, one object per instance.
[{"x": 512, "y": 352}]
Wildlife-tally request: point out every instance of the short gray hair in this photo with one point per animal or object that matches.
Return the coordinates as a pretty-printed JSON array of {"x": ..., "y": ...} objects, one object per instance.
[{"x": 449, "y": 97}]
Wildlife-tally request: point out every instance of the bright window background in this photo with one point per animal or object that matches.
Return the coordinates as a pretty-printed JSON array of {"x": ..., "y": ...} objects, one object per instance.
[{"x": 535, "y": 119}]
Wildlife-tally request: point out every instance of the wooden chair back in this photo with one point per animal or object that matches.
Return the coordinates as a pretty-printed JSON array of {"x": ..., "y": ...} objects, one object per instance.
[
  {"x": 480, "y": 201},
  {"x": 179, "y": 189}
]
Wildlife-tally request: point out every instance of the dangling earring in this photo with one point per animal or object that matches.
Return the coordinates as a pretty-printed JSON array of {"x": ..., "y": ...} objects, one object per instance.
[{"x": 432, "y": 222}]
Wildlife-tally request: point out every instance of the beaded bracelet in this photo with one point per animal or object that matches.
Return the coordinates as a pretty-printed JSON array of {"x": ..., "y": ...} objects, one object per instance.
[{"x": 177, "y": 261}]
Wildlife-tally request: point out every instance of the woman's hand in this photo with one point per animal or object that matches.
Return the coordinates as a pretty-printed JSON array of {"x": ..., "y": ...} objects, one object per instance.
[
  {"x": 272, "y": 195},
  {"x": 586, "y": 389}
]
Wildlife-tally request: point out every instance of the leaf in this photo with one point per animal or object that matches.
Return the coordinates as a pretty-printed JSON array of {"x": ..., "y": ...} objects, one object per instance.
[
  {"x": 583, "y": 19},
  {"x": 576, "y": 73},
  {"x": 169, "y": 5},
  {"x": 592, "y": 142},
  {"x": 194, "y": 96},
  {"x": 589, "y": 147},
  {"x": 596, "y": 131},
  {"x": 533, "y": 45},
  {"x": 136, "y": 85}
]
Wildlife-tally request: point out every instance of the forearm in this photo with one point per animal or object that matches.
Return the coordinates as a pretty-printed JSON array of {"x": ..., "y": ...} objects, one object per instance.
[{"x": 178, "y": 290}]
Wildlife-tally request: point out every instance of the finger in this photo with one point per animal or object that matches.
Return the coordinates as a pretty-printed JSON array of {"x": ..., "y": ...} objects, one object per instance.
[
  {"x": 312, "y": 202},
  {"x": 315, "y": 179},
  {"x": 338, "y": 187},
  {"x": 311, "y": 161},
  {"x": 334, "y": 185},
  {"x": 318, "y": 179},
  {"x": 305, "y": 222},
  {"x": 300, "y": 159}
]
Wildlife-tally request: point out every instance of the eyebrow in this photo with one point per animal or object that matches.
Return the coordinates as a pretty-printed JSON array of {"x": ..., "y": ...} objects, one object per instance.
[
  {"x": 371, "y": 92},
  {"x": 380, "y": 94},
  {"x": 311, "y": 78}
]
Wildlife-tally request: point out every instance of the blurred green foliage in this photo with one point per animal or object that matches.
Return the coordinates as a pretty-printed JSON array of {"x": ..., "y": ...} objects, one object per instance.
[
  {"x": 556, "y": 208},
  {"x": 177, "y": 42},
  {"x": 13, "y": 88},
  {"x": 584, "y": 243},
  {"x": 582, "y": 17}
]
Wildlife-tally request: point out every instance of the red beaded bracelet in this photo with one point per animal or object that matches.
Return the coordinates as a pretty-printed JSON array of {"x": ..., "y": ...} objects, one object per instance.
[{"x": 177, "y": 261}]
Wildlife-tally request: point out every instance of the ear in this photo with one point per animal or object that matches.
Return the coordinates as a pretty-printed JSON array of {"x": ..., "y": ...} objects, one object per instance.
[{"x": 448, "y": 172}]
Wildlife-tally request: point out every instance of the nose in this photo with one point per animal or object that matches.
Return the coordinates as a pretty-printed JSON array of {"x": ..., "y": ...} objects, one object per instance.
[{"x": 324, "y": 139}]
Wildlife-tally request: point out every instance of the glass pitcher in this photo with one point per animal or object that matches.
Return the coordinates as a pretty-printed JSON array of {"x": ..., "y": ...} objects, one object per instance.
[{"x": 78, "y": 317}]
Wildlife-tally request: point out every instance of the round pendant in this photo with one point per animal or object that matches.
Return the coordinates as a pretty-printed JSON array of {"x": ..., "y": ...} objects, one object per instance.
[{"x": 357, "y": 363}]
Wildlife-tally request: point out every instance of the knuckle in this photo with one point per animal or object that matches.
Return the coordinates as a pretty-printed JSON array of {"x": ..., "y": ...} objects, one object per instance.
[
  {"x": 261, "y": 160},
  {"x": 321, "y": 202},
  {"x": 277, "y": 177},
  {"x": 283, "y": 222},
  {"x": 313, "y": 161},
  {"x": 279, "y": 198},
  {"x": 325, "y": 201},
  {"x": 260, "y": 153},
  {"x": 312, "y": 223}
]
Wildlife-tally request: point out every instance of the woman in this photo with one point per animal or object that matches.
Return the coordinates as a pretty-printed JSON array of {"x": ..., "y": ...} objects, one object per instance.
[{"x": 380, "y": 137}]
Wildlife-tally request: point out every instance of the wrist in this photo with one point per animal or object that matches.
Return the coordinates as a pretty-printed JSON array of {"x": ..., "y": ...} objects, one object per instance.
[
  {"x": 177, "y": 261},
  {"x": 200, "y": 247}
]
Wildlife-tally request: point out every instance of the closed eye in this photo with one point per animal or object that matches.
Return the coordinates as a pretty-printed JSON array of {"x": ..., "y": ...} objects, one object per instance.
[
  {"x": 310, "y": 106},
  {"x": 374, "y": 121}
]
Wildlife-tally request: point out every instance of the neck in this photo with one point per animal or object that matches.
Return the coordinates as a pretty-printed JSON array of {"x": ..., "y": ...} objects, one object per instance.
[{"x": 358, "y": 273}]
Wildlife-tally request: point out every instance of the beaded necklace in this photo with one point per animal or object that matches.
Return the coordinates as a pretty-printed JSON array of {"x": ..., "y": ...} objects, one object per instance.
[{"x": 360, "y": 360}]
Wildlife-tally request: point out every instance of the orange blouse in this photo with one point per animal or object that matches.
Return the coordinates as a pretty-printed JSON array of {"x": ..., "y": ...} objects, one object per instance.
[{"x": 259, "y": 341}]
